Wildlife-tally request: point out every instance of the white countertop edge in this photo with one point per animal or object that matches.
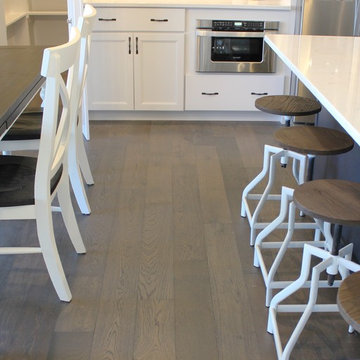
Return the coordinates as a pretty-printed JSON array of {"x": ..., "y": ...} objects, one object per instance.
[
  {"x": 189, "y": 5},
  {"x": 323, "y": 99}
]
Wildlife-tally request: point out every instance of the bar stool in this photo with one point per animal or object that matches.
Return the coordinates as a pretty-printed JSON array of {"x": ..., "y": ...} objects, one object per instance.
[
  {"x": 328, "y": 202},
  {"x": 305, "y": 140},
  {"x": 300, "y": 143},
  {"x": 348, "y": 300}
]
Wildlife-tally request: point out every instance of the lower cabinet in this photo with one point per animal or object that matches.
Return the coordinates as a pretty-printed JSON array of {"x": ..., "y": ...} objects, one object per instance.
[
  {"x": 136, "y": 71},
  {"x": 235, "y": 92}
]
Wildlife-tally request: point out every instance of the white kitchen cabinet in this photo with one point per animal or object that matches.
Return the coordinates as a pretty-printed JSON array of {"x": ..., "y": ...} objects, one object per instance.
[
  {"x": 137, "y": 70},
  {"x": 110, "y": 80},
  {"x": 230, "y": 92},
  {"x": 159, "y": 71}
]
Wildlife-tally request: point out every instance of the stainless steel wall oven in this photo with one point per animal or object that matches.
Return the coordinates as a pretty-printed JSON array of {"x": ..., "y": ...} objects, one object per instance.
[{"x": 234, "y": 46}]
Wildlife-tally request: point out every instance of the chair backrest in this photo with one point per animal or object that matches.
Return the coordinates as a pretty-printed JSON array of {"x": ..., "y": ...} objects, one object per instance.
[
  {"x": 85, "y": 25},
  {"x": 55, "y": 130}
]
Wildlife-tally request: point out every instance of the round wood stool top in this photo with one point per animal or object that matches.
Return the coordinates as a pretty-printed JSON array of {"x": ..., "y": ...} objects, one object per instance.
[
  {"x": 288, "y": 105},
  {"x": 314, "y": 140},
  {"x": 348, "y": 300},
  {"x": 334, "y": 201}
]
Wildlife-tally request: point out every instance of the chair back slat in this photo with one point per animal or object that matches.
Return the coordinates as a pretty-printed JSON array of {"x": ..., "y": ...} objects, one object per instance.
[
  {"x": 85, "y": 25},
  {"x": 55, "y": 129}
]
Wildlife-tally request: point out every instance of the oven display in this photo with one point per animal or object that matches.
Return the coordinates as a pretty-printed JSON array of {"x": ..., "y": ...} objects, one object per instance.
[
  {"x": 237, "y": 25},
  {"x": 236, "y": 49}
]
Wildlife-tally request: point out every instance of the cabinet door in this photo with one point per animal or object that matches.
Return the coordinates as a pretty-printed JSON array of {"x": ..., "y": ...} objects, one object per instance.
[
  {"x": 159, "y": 71},
  {"x": 110, "y": 79}
]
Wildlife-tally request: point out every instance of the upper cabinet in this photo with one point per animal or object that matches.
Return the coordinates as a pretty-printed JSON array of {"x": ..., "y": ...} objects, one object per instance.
[{"x": 24, "y": 22}]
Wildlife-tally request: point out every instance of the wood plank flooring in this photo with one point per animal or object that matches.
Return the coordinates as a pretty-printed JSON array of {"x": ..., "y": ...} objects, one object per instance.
[{"x": 168, "y": 274}]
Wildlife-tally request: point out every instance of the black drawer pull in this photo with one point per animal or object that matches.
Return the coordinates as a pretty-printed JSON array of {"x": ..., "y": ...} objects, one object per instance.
[
  {"x": 254, "y": 93},
  {"x": 105, "y": 19},
  {"x": 160, "y": 20},
  {"x": 206, "y": 93}
]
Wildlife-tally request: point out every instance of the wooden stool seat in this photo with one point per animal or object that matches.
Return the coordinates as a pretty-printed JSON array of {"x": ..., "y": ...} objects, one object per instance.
[
  {"x": 334, "y": 201},
  {"x": 314, "y": 140},
  {"x": 348, "y": 300},
  {"x": 297, "y": 143},
  {"x": 288, "y": 105}
]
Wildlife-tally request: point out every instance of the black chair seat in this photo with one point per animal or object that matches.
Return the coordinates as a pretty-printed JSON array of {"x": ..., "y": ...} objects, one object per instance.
[
  {"x": 17, "y": 176},
  {"x": 26, "y": 127}
]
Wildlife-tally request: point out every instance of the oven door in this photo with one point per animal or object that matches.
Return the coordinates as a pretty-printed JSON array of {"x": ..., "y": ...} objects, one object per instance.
[{"x": 220, "y": 51}]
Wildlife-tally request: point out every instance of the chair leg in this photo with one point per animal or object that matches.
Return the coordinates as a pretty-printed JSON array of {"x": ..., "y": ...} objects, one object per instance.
[
  {"x": 68, "y": 215},
  {"x": 50, "y": 253},
  {"x": 84, "y": 162},
  {"x": 77, "y": 183}
]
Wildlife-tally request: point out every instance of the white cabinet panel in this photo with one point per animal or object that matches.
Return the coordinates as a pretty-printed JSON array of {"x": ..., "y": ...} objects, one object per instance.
[
  {"x": 110, "y": 80},
  {"x": 136, "y": 71},
  {"x": 139, "y": 19},
  {"x": 159, "y": 71},
  {"x": 229, "y": 92}
]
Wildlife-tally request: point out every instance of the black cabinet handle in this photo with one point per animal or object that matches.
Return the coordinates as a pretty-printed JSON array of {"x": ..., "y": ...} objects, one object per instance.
[
  {"x": 137, "y": 45},
  {"x": 254, "y": 93},
  {"x": 107, "y": 19},
  {"x": 206, "y": 93},
  {"x": 129, "y": 45},
  {"x": 160, "y": 20}
]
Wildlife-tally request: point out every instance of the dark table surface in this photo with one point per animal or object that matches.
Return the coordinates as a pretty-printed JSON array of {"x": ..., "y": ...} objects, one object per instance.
[{"x": 20, "y": 80}]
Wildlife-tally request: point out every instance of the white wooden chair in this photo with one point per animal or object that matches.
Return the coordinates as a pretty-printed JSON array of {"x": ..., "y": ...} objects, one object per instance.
[
  {"x": 28, "y": 185},
  {"x": 25, "y": 133}
]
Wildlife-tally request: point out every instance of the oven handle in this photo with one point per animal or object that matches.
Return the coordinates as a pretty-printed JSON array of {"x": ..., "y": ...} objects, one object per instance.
[{"x": 234, "y": 34}]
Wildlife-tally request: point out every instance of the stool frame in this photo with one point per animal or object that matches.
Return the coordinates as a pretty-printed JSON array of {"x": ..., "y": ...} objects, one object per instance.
[
  {"x": 341, "y": 262},
  {"x": 271, "y": 155},
  {"x": 268, "y": 276}
]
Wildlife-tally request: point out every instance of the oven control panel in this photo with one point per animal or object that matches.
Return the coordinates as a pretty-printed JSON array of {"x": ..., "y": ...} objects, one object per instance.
[{"x": 237, "y": 25}]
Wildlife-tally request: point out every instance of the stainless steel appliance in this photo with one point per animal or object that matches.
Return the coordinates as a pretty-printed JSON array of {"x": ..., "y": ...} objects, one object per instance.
[
  {"x": 234, "y": 46},
  {"x": 326, "y": 17}
]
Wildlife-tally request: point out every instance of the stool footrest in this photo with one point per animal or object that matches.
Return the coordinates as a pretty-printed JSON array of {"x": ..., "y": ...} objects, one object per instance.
[
  {"x": 291, "y": 245},
  {"x": 322, "y": 284},
  {"x": 301, "y": 307}
]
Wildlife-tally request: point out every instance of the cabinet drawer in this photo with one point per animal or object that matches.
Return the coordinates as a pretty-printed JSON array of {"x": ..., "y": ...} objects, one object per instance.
[
  {"x": 139, "y": 19},
  {"x": 236, "y": 92}
]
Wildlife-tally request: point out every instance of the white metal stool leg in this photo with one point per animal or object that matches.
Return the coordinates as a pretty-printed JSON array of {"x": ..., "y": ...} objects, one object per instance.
[
  {"x": 279, "y": 223},
  {"x": 245, "y": 210},
  {"x": 341, "y": 260},
  {"x": 286, "y": 197},
  {"x": 269, "y": 281},
  {"x": 268, "y": 167}
]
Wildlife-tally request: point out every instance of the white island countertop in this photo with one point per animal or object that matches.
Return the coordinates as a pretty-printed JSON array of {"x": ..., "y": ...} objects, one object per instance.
[
  {"x": 329, "y": 66},
  {"x": 213, "y": 4}
]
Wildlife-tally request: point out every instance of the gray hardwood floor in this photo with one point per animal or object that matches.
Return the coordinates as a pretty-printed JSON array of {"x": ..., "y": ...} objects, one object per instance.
[{"x": 168, "y": 273}]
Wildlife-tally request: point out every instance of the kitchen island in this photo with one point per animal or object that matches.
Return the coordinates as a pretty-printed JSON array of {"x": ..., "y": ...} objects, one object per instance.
[
  {"x": 329, "y": 66},
  {"x": 144, "y": 61}
]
